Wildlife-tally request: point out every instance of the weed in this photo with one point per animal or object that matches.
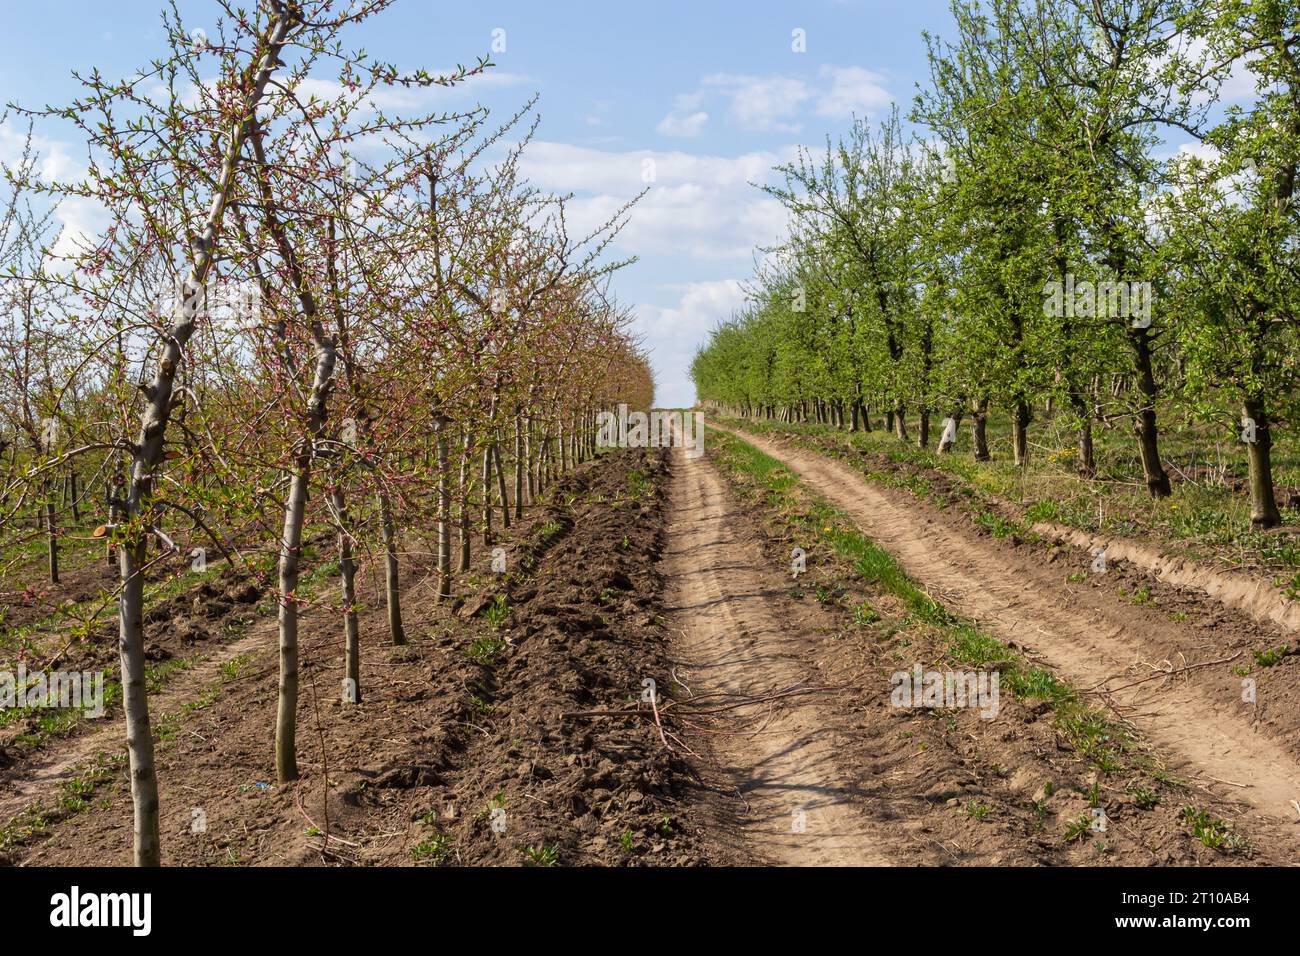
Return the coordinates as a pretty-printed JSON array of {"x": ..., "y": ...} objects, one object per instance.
[
  {"x": 546, "y": 855},
  {"x": 1271, "y": 657},
  {"x": 1077, "y": 828},
  {"x": 434, "y": 850},
  {"x": 485, "y": 650},
  {"x": 497, "y": 612},
  {"x": 1211, "y": 831}
]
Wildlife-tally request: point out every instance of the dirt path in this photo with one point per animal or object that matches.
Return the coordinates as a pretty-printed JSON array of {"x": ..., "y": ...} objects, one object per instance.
[
  {"x": 721, "y": 598},
  {"x": 44, "y": 774},
  {"x": 1083, "y": 637}
]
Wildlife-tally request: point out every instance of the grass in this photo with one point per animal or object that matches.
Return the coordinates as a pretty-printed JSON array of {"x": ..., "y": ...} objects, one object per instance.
[
  {"x": 232, "y": 669},
  {"x": 498, "y": 612},
  {"x": 1147, "y": 798},
  {"x": 485, "y": 650},
  {"x": 1208, "y": 515},
  {"x": 1211, "y": 831},
  {"x": 639, "y": 485},
  {"x": 546, "y": 855},
  {"x": 1271, "y": 657},
  {"x": 435, "y": 850},
  {"x": 1078, "y": 828},
  {"x": 75, "y": 797},
  {"x": 54, "y": 721}
]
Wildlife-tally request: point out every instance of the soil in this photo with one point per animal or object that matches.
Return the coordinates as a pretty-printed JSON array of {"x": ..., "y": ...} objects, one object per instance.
[
  {"x": 1102, "y": 631},
  {"x": 647, "y": 685},
  {"x": 467, "y": 719},
  {"x": 771, "y": 761}
]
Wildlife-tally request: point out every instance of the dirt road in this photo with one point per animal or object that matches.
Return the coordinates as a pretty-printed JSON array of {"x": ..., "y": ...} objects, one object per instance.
[
  {"x": 1083, "y": 637},
  {"x": 723, "y": 598}
]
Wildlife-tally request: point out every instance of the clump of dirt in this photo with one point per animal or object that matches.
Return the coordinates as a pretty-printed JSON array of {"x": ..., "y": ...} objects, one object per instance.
[{"x": 467, "y": 746}]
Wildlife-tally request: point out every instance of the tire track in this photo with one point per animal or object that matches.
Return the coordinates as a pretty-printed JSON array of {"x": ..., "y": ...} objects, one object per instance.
[
  {"x": 721, "y": 599},
  {"x": 1207, "y": 739}
]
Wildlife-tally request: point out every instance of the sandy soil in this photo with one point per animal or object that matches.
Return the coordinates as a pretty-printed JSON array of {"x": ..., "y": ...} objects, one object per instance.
[
  {"x": 1085, "y": 636},
  {"x": 736, "y": 637}
]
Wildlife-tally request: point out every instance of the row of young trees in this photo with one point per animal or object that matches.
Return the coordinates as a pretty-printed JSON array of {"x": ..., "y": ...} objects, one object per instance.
[
  {"x": 1027, "y": 240},
  {"x": 303, "y": 315}
]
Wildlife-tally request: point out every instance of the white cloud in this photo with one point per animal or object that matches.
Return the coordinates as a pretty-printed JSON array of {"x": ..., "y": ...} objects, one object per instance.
[
  {"x": 853, "y": 90},
  {"x": 673, "y": 333},
  {"x": 565, "y": 168},
  {"x": 762, "y": 103},
  {"x": 674, "y": 124},
  {"x": 83, "y": 221},
  {"x": 1206, "y": 152},
  {"x": 698, "y": 206},
  {"x": 1240, "y": 84},
  {"x": 427, "y": 98},
  {"x": 778, "y": 103},
  {"x": 701, "y": 214},
  {"x": 54, "y": 164}
]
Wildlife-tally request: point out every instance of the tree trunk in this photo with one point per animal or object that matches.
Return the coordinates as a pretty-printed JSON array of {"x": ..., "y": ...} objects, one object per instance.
[
  {"x": 1259, "y": 455},
  {"x": 52, "y": 536},
  {"x": 116, "y": 494},
  {"x": 979, "y": 429},
  {"x": 286, "y": 751},
  {"x": 348, "y": 577},
  {"x": 135, "y": 706},
  {"x": 947, "y": 441},
  {"x": 1020, "y": 418},
  {"x": 466, "y": 472},
  {"x": 1087, "y": 465},
  {"x": 444, "y": 517},
  {"x": 530, "y": 459},
  {"x": 148, "y": 454},
  {"x": 486, "y": 475},
  {"x": 519, "y": 467},
  {"x": 286, "y": 720},
  {"x": 501, "y": 485},
  {"x": 392, "y": 577},
  {"x": 286, "y": 758},
  {"x": 1153, "y": 470}
]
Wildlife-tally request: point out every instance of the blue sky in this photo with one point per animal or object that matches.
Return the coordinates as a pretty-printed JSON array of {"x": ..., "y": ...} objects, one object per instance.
[{"x": 711, "y": 91}]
